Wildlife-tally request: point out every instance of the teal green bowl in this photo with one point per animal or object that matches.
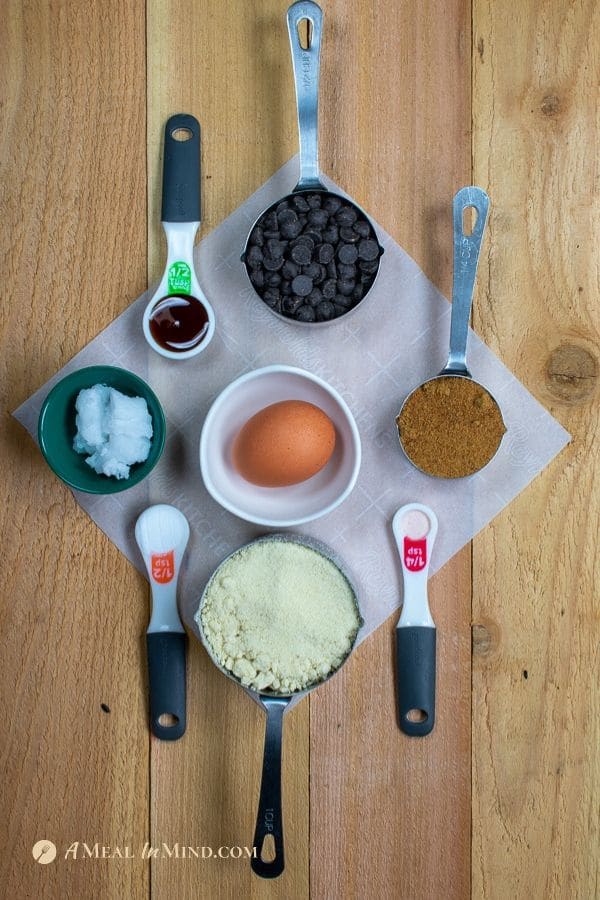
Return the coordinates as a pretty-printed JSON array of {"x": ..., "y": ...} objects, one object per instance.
[{"x": 56, "y": 429}]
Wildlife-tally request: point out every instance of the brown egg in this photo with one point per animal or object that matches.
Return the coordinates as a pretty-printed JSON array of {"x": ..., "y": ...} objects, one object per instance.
[{"x": 284, "y": 444}]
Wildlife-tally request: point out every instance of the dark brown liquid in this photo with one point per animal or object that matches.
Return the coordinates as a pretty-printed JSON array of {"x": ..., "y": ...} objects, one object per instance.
[{"x": 178, "y": 322}]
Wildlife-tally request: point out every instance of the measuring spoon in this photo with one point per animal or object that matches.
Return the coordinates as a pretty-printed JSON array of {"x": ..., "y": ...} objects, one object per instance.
[
  {"x": 415, "y": 528},
  {"x": 162, "y": 533},
  {"x": 466, "y": 257},
  {"x": 179, "y": 322}
]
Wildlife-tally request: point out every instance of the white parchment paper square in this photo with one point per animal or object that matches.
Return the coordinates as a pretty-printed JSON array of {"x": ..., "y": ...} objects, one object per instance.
[{"x": 397, "y": 338}]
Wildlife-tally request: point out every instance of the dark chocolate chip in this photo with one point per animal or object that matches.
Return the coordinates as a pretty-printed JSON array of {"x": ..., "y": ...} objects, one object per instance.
[
  {"x": 291, "y": 231},
  {"x": 301, "y": 254},
  {"x": 321, "y": 276},
  {"x": 345, "y": 271},
  {"x": 367, "y": 266},
  {"x": 273, "y": 264},
  {"x": 314, "y": 201},
  {"x": 331, "y": 234},
  {"x": 347, "y": 254},
  {"x": 257, "y": 237},
  {"x": 339, "y": 309},
  {"x": 286, "y": 288},
  {"x": 349, "y": 235},
  {"x": 254, "y": 256},
  {"x": 305, "y": 239},
  {"x": 302, "y": 285},
  {"x": 358, "y": 292},
  {"x": 313, "y": 270},
  {"x": 329, "y": 288},
  {"x": 345, "y": 286},
  {"x": 300, "y": 203},
  {"x": 273, "y": 279},
  {"x": 287, "y": 217},
  {"x": 362, "y": 228},
  {"x": 275, "y": 248},
  {"x": 257, "y": 278},
  {"x": 332, "y": 269},
  {"x": 313, "y": 234},
  {"x": 318, "y": 217},
  {"x": 290, "y": 305},
  {"x": 346, "y": 216},
  {"x": 346, "y": 302},
  {"x": 306, "y": 314},
  {"x": 271, "y": 297},
  {"x": 332, "y": 204},
  {"x": 368, "y": 250},
  {"x": 325, "y": 253},
  {"x": 270, "y": 222},
  {"x": 325, "y": 311},
  {"x": 271, "y": 234},
  {"x": 290, "y": 269},
  {"x": 281, "y": 206},
  {"x": 315, "y": 297}
]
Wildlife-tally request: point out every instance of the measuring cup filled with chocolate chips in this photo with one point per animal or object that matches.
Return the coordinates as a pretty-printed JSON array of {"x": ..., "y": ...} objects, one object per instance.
[
  {"x": 313, "y": 256},
  {"x": 179, "y": 322},
  {"x": 451, "y": 426}
]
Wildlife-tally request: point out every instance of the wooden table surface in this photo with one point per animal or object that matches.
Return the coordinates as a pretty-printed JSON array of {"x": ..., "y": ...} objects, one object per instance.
[{"x": 417, "y": 99}]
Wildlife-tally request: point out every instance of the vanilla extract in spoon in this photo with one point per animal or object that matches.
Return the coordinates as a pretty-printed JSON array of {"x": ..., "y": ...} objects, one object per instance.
[{"x": 178, "y": 322}]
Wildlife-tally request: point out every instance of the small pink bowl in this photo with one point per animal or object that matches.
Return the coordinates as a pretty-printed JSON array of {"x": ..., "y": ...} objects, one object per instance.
[{"x": 277, "y": 507}]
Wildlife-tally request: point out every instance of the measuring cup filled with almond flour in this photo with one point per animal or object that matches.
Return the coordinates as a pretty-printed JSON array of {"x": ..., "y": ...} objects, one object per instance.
[
  {"x": 279, "y": 616},
  {"x": 451, "y": 426}
]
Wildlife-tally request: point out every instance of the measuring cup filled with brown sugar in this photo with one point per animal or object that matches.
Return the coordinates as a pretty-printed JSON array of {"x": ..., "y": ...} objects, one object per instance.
[
  {"x": 313, "y": 256},
  {"x": 451, "y": 426}
]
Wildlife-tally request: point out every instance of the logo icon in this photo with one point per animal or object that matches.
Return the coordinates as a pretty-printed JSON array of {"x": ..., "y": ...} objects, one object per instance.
[{"x": 44, "y": 852}]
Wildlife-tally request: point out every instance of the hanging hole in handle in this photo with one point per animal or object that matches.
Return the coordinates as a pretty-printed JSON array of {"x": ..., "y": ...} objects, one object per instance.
[
  {"x": 267, "y": 851},
  {"x": 469, "y": 220},
  {"x": 416, "y": 716},
  {"x": 305, "y": 33},
  {"x": 168, "y": 720},
  {"x": 182, "y": 134}
]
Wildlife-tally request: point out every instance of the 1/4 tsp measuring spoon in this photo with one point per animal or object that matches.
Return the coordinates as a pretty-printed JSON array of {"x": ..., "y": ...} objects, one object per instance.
[
  {"x": 415, "y": 528},
  {"x": 179, "y": 322},
  {"x": 162, "y": 534}
]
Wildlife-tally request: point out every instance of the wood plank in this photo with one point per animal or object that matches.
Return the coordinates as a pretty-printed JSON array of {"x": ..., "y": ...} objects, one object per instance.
[
  {"x": 390, "y": 815},
  {"x": 73, "y": 255},
  {"x": 230, "y": 68},
  {"x": 536, "y": 701}
]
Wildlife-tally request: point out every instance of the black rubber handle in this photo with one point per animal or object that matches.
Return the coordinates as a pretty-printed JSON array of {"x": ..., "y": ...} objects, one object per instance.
[
  {"x": 415, "y": 675},
  {"x": 269, "y": 819},
  {"x": 166, "y": 672},
  {"x": 181, "y": 170}
]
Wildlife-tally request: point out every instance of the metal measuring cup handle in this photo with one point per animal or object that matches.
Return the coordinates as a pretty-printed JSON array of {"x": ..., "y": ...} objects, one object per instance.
[
  {"x": 466, "y": 258},
  {"x": 269, "y": 818},
  {"x": 306, "y": 65}
]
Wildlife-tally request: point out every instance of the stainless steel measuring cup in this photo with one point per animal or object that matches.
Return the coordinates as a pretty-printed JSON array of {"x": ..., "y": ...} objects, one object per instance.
[
  {"x": 269, "y": 819},
  {"x": 306, "y": 66},
  {"x": 466, "y": 258}
]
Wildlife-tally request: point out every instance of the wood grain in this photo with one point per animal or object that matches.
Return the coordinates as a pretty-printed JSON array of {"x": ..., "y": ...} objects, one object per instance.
[
  {"x": 232, "y": 72},
  {"x": 390, "y": 815},
  {"x": 72, "y": 182},
  {"x": 536, "y": 703}
]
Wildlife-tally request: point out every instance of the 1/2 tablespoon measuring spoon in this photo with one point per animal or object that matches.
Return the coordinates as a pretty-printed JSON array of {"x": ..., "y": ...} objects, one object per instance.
[
  {"x": 415, "y": 528},
  {"x": 162, "y": 534},
  {"x": 179, "y": 322},
  {"x": 466, "y": 257}
]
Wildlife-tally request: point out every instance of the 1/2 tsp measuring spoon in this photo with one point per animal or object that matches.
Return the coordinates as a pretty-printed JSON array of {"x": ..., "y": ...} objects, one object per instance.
[
  {"x": 162, "y": 534},
  {"x": 415, "y": 527},
  {"x": 179, "y": 322}
]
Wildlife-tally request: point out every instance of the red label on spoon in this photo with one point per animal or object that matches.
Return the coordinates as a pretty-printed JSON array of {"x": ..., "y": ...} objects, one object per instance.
[
  {"x": 163, "y": 566},
  {"x": 415, "y": 554}
]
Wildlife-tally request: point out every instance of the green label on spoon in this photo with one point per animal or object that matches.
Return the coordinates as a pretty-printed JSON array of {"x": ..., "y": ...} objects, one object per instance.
[{"x": 179, "y": 278}]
